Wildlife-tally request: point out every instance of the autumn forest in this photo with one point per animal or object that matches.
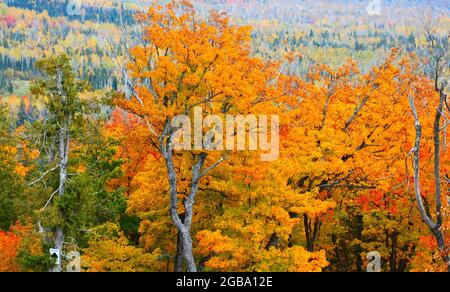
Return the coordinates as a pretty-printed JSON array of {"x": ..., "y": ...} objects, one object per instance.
[{"x": 224, "y": 136}]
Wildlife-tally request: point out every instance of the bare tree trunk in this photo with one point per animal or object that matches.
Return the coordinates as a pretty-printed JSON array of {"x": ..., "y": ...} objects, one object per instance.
[
  {"x": 443, "y": 248},
  {"x": 188, "y": 252},
  {"x": 59, "y": 239},
  {"x": 312, "y": 228},
  {"x": 439, "y": 54},
  {"x": 63, "y": 150},
  {"x": 435, "y": 228},
  {"x": 63, "y": 157},
  {"x": 166, "y": 148},
  {"x": 178, "y": 267},
  {"x": 437, "y": 159},
  {"x": 439, "y": 234},
  {"x": 183, "y": 223},
  {"x": 307, "y": 224},
  {"x": 183, "y": 228}
]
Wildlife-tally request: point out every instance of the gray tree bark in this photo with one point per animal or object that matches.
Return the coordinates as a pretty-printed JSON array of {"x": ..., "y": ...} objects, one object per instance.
[
  {"x": 63, "y": 153},
  {"x": 435, "y": 227},
  {"x": 178, "y": 266},
  {"x": 183, "y": 224}
]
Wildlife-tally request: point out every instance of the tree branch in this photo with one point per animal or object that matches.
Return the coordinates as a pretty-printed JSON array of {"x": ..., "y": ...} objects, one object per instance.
[
  {"x": 42, "y": 176},
  {"x": 416, "y": 165}
]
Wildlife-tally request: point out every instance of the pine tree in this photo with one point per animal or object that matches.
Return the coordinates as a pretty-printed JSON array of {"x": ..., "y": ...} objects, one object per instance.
[{"x": 64, "y": 111}]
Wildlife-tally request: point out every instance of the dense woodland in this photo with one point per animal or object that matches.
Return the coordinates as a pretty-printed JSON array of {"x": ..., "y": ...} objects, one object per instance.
[{"x": 87, "y": 157}]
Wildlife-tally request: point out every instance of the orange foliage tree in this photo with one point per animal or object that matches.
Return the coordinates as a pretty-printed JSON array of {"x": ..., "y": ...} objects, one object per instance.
[
  {"x": 10, "y": 242},
  {"x": 188, "y": 64},
  {"x": 345, "y": 149}
]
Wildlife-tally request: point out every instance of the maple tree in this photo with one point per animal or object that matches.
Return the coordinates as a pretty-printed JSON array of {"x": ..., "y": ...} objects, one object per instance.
[
  {"x": 196, "y": 63},
  {"x": 9, "y": 244},
  {"x": 21, "y": 250},
  {"x": 350, "y": 157},
  {"x": 132, "y": 149},
  {"x": 109, "y": 251}
]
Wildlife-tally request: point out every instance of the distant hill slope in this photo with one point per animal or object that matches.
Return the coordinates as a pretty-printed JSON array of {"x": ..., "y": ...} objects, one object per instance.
[
  {"x": 322, "y": 31},
  {"x": 298, "y": 12},
  {"x": 113, "y": 11},
  {"x": 305, "y": 11}
]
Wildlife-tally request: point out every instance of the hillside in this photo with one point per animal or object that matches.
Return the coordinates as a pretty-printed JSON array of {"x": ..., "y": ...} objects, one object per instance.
[
  {"x": 323, "y": 31},
  {"x": 224, "y": 136}
]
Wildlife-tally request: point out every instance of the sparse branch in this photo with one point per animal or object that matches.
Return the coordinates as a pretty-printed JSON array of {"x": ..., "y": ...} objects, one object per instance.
[
  {"x": 214, "y": 165},
  {"x": 357, "y": 110},
  {"x": 49, "y": 200},
  {"x": 330, "y": 93},
  {"x": 43, "y": 176}
]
